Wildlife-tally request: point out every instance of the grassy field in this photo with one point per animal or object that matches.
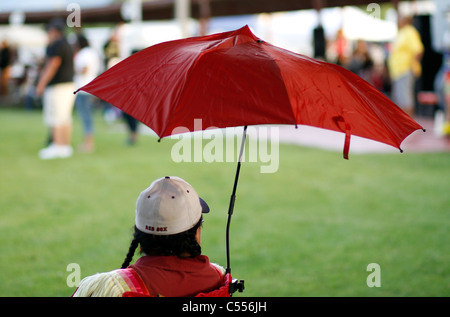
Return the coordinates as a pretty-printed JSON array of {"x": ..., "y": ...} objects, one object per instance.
[{"x": 310, "y": 229}]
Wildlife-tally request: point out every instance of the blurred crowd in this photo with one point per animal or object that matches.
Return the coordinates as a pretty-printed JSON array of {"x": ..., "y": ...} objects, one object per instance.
[
  {"x": 392, "y": 68},
  {"x": 49, "y": 84}
]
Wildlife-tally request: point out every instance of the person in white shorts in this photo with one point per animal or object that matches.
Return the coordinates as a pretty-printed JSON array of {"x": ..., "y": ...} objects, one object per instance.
[{"x": 56, "y": 87}]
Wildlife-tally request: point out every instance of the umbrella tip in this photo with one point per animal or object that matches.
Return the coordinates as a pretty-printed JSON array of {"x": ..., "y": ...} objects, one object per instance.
[
  {"x": 259, "y": 41},
  {"x": 424, "y": 130},
  {"x": 401, "y": 151},
  {"x": 159, "y": 140}
]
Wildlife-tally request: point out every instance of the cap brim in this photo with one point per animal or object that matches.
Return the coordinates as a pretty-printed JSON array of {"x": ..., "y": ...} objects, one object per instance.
[{"x": 205, "y": 207}]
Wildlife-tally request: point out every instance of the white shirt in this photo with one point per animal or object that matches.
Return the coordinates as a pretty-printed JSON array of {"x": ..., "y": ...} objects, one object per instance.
[{"x": 87, "y": 66}]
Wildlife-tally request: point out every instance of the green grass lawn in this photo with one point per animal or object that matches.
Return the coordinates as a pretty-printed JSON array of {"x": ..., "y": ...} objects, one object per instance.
[{"x": 310, "y": 229}]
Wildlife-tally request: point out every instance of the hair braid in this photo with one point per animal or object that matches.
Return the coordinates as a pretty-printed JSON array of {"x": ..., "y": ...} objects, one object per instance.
[
  {"x": 133, "y": 246},
  {"x": 177, "y": 244}
]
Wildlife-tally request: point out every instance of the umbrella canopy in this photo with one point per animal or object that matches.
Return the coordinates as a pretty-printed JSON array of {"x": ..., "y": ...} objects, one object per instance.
[{"x": 235, "y": 79}]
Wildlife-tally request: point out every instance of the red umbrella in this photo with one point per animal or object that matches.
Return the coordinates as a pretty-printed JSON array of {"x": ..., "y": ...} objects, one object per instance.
[{"x": 235, "y": 79}]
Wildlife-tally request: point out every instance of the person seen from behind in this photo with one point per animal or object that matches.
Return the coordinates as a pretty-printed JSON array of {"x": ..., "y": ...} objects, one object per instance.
[
  {"x": 56, "y": 87},
  {"x": 5, "y": 67},
  {"x": 404, "y": 64},
  {"x": 168, "y": 232},
  {"x": 87, "y": 67}
]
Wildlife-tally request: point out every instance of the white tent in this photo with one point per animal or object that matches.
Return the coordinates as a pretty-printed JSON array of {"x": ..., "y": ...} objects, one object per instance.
[
  {"x": 24, "y": 35},
  {"x": 358, "y": 25}
]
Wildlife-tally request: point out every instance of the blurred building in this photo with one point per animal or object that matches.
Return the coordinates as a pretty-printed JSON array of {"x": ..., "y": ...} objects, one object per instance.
[{"x": 285, "y": 23}]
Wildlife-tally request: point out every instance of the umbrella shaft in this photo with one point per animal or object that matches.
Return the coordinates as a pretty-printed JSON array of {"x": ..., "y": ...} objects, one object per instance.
[{"x": 233, "y": 198}]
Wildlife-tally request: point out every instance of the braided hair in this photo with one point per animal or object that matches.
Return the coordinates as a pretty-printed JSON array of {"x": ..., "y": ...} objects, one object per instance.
[{"x": 178, "y": 244}]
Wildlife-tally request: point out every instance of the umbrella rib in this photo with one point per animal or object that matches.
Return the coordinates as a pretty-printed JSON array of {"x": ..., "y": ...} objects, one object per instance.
[
  {"x": 362, "y": 100},
  {"x": 294, "y": 115},
  {"x": 388, "y": 128},
  {"x": 208, "y": 49},
  {"x": 182, "y": 92}
]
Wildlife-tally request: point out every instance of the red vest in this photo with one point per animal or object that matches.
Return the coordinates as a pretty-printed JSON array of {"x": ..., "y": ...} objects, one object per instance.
[{"x": 175, "y": 277}]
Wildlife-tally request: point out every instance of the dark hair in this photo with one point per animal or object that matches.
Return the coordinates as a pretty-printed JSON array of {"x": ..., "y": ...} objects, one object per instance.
[
  {"x": 82, "y": 41},
  {"x": 57, "y": 24},
  {"x": 178, "y": 244}
]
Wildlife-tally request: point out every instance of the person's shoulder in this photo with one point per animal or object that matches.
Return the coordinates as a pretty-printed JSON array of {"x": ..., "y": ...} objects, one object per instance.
[
  {"x": 219, "y": 268},
  {"x": 411, "y": 30},
  {"x": 106, "y": 284}
]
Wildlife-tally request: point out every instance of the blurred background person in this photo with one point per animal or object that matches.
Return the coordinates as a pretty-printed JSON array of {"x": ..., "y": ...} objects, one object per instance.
[
  {"x": 404, "y": 64},
  {"x": 361, "y": 62},
  {"x": 56, "y": 86},
  {"x": 111, "y": 52},
  {"x": 5, "y": 66},
  {"x": 341, "y": 47},
  {"x": 87, "y": 67},
  {"x": 319, "y": 43}
]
